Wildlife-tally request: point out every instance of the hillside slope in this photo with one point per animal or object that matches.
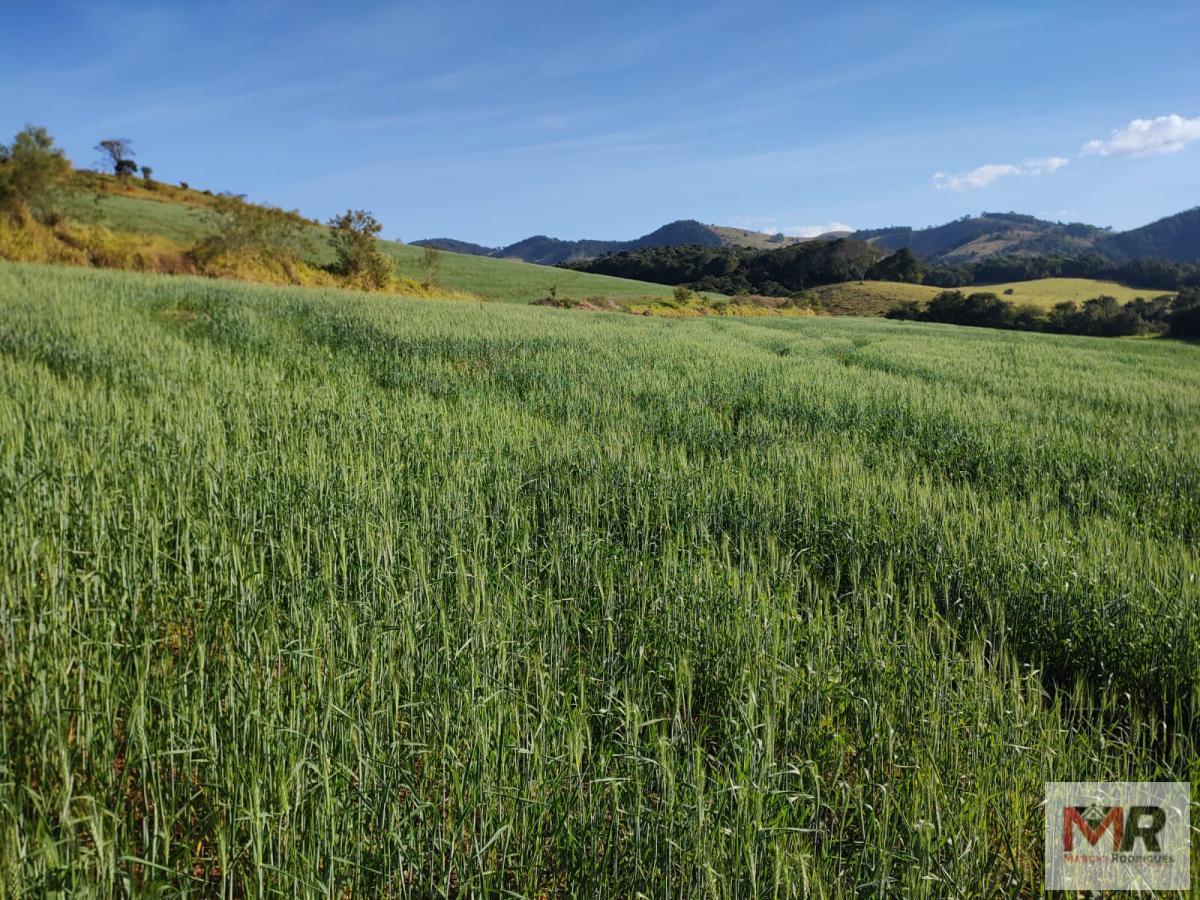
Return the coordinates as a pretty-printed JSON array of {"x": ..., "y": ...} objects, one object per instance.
[
  {"x": 182, "y": 216},
  {"x": 971, "y": 239},
  {"x": 1175, "y": 237}
]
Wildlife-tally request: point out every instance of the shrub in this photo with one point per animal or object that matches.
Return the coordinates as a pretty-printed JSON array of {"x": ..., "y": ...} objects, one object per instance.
[
  {"x": 252, "y": 231},
  {"x": 359, "y": 259}
]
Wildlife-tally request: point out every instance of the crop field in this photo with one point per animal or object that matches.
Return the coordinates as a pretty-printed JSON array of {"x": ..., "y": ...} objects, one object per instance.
[
  {"x": 874, "y": 298},
  {"x": 307, "y": 592}
]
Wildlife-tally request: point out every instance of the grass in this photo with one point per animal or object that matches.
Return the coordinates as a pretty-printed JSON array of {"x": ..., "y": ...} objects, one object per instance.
[
  {"x": 693, "y": 306},
  {"x": 494, "y": 279},
  {"x": 1046, "y": 292},
  {"x": 307, "y": 592},
  {"x": 869, "y": 298},
  {"x": 874, "y": 298},
  {"x": 138, "y": 215}
]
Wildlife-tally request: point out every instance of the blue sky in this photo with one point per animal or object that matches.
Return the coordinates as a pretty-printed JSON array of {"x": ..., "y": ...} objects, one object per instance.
[{"x": 494, "y": 121}]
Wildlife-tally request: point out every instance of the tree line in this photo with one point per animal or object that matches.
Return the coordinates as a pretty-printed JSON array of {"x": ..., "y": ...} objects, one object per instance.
[
  {"x": 789, "y": 271},
  {"x": 785, "y": 272},
  {"x": 1157, "y": 274},
  {"x": 1104, "y": 316}
]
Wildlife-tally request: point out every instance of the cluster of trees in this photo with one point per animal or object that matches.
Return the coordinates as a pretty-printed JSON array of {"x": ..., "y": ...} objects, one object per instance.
[
  {"x": 116, "y": 155},
  {"x": 785, "y": 272},
  {"x": 1100, "y": 317},
  {"x": 34, "y": 172},
  {"x": 788, "y": 271}
]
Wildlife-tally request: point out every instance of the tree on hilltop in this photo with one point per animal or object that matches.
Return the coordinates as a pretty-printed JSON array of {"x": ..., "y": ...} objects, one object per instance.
[{"x": 117, "y": 154}]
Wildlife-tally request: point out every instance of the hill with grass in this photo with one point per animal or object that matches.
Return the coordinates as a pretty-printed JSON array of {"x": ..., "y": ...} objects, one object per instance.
[
  {"x": 1175, "y": 237},
  {"x": 51, "y": 213},
  {"x": 129, "y": 223}
]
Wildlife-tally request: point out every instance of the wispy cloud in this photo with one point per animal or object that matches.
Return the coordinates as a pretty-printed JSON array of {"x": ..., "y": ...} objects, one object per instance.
[
  {"x": 772, "y": 226},
  {"x": 1047, "y": 165},
  {"x": 985, "y": 175},
  {"x": 1147, "y": 137},
  {"x": 817, "y": 230}
]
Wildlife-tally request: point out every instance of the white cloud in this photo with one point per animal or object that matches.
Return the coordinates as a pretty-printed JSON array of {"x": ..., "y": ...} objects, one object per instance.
[
  {"x": 1046, "y": 166},
  {"x": 976, "y": 178},
  {"x": 772, "y": 226},
  {"x": 1145, "y": 137},
  {"x": 809, "y": 231},
  {"x": 985, "y": 175}
]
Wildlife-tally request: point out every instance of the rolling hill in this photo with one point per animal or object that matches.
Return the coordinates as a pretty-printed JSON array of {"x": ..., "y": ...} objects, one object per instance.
[
  {"x": 182, "y": 216},
  {"x": 966, "y": 240},
  {"x": 971, "y": 239},
  {"x": 1175, "y": 237},
  {"x": 551, "y": 251}
]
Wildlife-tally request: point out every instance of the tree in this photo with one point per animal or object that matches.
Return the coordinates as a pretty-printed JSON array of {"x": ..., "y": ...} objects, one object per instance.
[
  {"x": 147, "y": 175},
  {"x": 1185, "y": 315},
  {"x": 900, "y": 266},
  {"x": 32, "y": 171},
  {"x": 359, "y": 259},
  {"x": 683, "y": 294},
  {"x": 431, "y": 257},
  {"x": 117, "y": 154}
]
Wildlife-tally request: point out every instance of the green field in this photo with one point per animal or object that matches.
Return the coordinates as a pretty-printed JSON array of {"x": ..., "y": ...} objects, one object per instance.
[
  {"x": 316, "y": 593},
  {"x": 874, "y": 298}
]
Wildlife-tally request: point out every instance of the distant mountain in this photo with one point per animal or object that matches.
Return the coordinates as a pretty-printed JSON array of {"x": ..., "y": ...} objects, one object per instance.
[
  {"x": 971, "y": 239},
  {"x": 453, "y": 246},
  {"x": 1176, "y": 237},
  {"x": 550, "y": 251},
  {"x": 963, "y": 241}
]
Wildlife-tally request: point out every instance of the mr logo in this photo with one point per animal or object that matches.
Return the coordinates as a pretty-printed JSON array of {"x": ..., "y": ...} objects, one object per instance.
[
  {"x": 1126, "y": 827},
  {"x": 1118, "y": 835}
]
